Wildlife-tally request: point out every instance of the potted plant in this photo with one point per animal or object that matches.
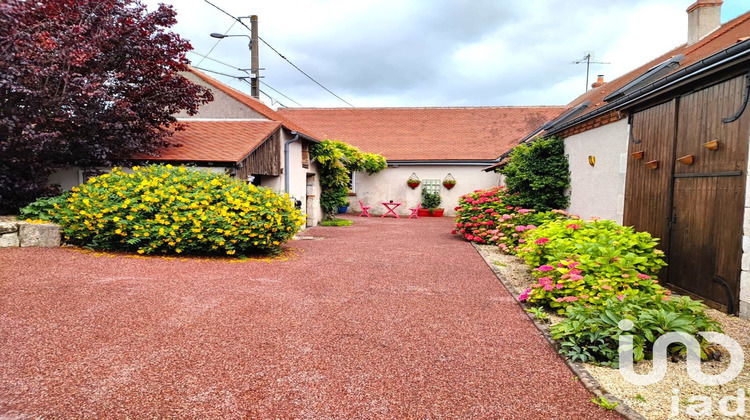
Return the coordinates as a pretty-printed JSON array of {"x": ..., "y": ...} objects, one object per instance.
[
  {"x": 413, "y": 181},
  {"x": 430, "y": 204},
  {"x": 449, "y": 182},
  {"x": 344, "y": 208}
]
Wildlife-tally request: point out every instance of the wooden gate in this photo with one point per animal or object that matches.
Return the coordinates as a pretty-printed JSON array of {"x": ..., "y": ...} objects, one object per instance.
[{"x": 688, "y": 188}]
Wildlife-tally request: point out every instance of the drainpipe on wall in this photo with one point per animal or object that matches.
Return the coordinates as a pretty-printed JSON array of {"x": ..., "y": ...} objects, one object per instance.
[{"x": 286, "y": 160}]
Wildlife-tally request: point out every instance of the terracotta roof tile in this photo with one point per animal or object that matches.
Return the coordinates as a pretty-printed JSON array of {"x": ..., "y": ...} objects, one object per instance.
[
  {"x": 252, "y": 103},
  {"x": 724, "y": 37},
  {"x": 215, "y": 141},
  {"x": 467, "y": 133}
]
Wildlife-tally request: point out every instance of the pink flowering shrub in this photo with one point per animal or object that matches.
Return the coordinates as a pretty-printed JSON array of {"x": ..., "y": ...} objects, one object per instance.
[
  {"x": 483, "y": 217},
  {"x": 589, "y": 262},
  {"x": 478, "y": 214}
]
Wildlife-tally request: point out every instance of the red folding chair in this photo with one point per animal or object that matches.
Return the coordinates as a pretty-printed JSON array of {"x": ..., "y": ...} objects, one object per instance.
[
  {"x": 414, "y": 212},
  {"x": 364, "y": 209}
]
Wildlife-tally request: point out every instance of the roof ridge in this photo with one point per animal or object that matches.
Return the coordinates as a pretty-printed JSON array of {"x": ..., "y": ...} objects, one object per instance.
[{"x": 721, "y": 30}]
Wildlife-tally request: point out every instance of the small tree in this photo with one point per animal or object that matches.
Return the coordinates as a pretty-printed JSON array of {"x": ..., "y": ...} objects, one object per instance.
[
  {"x": 537, "y": 175},
  {"x": 85, "y": 83},
  {"x": 337, "y": 160}
]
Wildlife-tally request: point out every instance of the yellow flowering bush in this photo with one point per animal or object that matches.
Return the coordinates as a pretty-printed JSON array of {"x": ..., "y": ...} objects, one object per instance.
[{"x": 166, "y": 209}]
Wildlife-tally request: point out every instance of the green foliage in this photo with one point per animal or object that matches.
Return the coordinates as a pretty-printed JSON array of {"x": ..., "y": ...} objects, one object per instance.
[
  {"x": 163, "y": 209},
  {"x": 337, "y": 160},
  {"x": 539, "y": 313},
  {"x": 604, "y": 403},
  {"x": 537, "y": 175},
  {"x": 590, "y": 262},
  {"x": 591, "y": 334},
  {"x": 336, "y": 222},
  {"x": 42, "y": 208},
  {"x": 431, "y": 201}
]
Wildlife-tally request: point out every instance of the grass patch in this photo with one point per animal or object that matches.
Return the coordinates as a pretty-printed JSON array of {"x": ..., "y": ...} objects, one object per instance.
[{"x": 336, "y": 222}]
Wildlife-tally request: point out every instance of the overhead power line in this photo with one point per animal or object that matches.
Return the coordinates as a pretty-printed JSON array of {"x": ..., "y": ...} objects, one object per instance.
[
  {"x": 216, "y": 43},
  {"x": 281, "y": 55},
  {"x": 244, "y": 70}
]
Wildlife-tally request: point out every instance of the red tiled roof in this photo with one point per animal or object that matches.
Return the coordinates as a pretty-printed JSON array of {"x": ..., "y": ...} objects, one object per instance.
[
  {"x": 215, "y": 141},
  {"x": 474, "y": 133},
  {"x": 724, "y": 37},
  {"x": 252, "y": 103}
]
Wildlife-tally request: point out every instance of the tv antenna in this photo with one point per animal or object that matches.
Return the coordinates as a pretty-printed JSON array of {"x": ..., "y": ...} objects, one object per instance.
[{"x": 589, "y": 59}]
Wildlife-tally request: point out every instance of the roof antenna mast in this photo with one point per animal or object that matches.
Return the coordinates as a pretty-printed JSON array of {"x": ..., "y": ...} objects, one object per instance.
[{"x": 589, "y": 59}]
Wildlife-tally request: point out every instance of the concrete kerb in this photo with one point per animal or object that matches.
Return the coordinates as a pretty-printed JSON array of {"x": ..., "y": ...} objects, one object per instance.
[{"x": 578, "y": 369}]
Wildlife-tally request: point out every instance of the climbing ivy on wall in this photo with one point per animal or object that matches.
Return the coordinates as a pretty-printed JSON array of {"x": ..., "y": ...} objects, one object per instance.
[
  {"x": 336, "y": 161},
  {"x": 537, "y": 175}
]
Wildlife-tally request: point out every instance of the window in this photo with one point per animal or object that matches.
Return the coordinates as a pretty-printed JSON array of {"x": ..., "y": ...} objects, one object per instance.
[{"x": 432, "y": 185}]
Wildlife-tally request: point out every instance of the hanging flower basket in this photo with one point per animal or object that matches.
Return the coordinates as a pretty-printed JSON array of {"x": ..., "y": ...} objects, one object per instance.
[
  {"x": 449, "y": 182},
  {"x": 413, "y": 181}
]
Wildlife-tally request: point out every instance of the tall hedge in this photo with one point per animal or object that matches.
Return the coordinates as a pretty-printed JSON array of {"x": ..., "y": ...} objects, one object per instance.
[{"x": 537, "y": 175}]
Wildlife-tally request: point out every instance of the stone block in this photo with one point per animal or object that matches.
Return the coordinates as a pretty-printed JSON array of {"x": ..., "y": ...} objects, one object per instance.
[
  {"x": 746, "y": 243},
  {"x": 746, "y": 223},
  {"x": 745, "y": 286},
  {"x": 39, "y": 234},
  {"x": 745, "y": 310},
  {"x": 745, "y": 261},
  {"x": 8, "y": 234}
]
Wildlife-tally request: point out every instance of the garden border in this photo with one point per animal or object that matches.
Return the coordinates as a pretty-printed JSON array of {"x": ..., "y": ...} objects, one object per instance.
[{"x": 588, "y": 381}]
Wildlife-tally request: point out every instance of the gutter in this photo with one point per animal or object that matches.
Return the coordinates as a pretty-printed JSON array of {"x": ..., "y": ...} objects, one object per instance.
[
  {"x": 286, "y": 159},
  {"x": 396, "y": 163},
  {"x": 735, "y": 52}
]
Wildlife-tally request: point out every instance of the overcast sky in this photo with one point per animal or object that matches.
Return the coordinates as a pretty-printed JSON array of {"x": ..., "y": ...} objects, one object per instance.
[{"x": 435, "y": 52}]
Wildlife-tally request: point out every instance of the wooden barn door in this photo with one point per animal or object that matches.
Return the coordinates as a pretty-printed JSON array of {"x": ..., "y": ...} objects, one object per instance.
[
  {"x": 709, "y": 194},
  {"x": 648, "y": 204},
  {"x": 694, "y": 199}
]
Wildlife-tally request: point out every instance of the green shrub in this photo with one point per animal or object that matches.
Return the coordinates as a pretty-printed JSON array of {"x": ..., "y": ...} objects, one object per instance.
[
  {"x": 430, "y": 200},
  {"x": 590, "y": 262},
  {"x": 590, "y": 333},
  {"x": 172, "y": 210},
  {"x": 477, "y": 213},
  {"x": 336, "y": 161},
  {"x": 537, "y": 175},
  {"x": 42, "y": 208}
]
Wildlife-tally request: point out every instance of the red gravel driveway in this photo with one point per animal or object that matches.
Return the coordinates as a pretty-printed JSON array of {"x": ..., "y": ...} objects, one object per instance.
[{"x": 384, "y": 319}]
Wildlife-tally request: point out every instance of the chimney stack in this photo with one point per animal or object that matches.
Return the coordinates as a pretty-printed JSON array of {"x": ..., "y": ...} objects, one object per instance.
[
  {"x": 599, "y": 82},
  {"x": 704, "y": 16}
]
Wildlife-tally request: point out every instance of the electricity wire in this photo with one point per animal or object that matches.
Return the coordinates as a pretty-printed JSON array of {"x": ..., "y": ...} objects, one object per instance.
[{"x": 281, "y": 55}]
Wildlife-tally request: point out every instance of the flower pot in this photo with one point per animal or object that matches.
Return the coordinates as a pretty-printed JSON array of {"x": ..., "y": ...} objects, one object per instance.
[
  {"x": 343, "y": 209},
  {"x": 413, "y": 184},
  {"x": 449, "y": 185},
  {"x": 422, "y": 212},
  {"x": 437, "y": 213}
]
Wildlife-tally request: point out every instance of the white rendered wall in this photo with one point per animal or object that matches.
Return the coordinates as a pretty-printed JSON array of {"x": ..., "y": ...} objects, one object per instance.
[
  {"x": 390, "y": 184},
  {"x": 599, "y": 190}
]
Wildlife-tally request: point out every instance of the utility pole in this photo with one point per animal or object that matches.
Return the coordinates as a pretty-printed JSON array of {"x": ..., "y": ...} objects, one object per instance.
[
  {"x": 588, "y": 60},
  {"x": 254, "y": 60}
]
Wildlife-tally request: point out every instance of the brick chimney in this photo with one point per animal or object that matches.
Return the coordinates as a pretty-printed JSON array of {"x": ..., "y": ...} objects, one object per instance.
[
  {"x": 704, "y": 16},
  {"x": 599, "y": 82}
]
